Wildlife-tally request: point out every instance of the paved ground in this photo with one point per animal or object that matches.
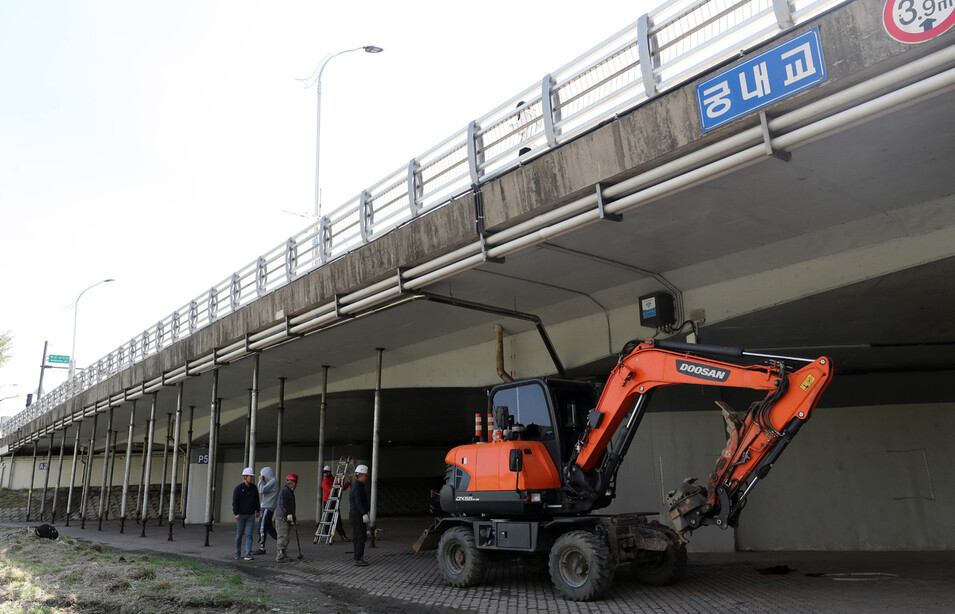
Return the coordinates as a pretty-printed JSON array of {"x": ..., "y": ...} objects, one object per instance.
[{"x": 398, "y": 579}]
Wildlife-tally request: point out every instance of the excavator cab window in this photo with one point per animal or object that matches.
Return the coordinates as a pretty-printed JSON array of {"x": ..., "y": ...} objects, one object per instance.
[{"x": 526, "y": 403}]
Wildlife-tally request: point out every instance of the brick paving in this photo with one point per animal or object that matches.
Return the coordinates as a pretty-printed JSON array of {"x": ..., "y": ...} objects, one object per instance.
[{"x": 849, "y": 581}]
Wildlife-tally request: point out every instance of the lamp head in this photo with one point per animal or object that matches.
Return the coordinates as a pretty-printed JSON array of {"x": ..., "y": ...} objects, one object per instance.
[{"x": 372, "y": 49}]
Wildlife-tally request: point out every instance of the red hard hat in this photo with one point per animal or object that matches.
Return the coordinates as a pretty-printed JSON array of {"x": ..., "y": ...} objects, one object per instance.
[{"x": 291, "y": 478}]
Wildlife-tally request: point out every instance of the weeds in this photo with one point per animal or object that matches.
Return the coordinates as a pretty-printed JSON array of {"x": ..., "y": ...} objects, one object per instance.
[{"x": 41, "y": 575}]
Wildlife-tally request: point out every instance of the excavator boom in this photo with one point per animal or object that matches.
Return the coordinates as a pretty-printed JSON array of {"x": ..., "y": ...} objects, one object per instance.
[{"x": 755, "y": 439}]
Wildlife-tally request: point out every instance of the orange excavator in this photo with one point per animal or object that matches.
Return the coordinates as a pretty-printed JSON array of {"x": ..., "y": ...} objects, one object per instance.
[{"x": 530, "y": 489}]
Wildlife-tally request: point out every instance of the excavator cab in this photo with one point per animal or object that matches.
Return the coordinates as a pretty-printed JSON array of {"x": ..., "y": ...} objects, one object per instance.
[{"x": 551, "y": 411}]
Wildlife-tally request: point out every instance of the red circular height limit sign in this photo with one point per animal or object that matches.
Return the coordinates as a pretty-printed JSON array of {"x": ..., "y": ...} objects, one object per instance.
[{"x": 916, "y": 21}]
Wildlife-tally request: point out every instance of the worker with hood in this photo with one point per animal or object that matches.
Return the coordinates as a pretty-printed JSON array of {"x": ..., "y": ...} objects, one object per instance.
[
  {"x": 285, "y": 515},
  {"x": 268, "y": 494}
]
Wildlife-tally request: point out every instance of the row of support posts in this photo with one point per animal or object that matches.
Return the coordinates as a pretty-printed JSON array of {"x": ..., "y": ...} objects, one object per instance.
[{"x": 173, "y": 433}]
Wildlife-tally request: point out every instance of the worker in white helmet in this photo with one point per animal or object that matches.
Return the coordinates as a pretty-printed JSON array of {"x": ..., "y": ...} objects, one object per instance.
[
  {"x": 358, "y": 514},
  {"x": 245, "y": 506}
]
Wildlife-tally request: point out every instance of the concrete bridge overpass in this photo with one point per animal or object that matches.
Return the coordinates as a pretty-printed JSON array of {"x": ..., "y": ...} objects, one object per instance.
[{"x": 824, "y": 225}]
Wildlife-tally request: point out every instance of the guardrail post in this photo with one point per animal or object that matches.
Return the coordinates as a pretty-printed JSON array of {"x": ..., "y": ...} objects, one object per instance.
[
  {"x": 647, "y": 60},
  {"x": 366, "y": 216},
  {"x": 475, "y": 152},
  {"x": 324, "y": 239},
  {"x": 784, "y": 14},
  {"x": 235, "y": 292},
  {"x": 415, "y": 189},
  {"x": 212, "y": 305},
  {"x": 261, "y": 276},
  {"x": 550, "y": 105},
  {"x": 291, "y": 259}
]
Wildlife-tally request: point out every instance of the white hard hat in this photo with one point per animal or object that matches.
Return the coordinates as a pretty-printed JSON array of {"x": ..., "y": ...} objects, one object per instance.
[
  {"x": 327, "y": 468},
  {"x": 361, "y": 469},
  {"x": 248, "y": 471}
]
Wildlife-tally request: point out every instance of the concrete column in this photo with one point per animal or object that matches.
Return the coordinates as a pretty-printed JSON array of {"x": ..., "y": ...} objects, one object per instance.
[
  {"x": 106, "y": 457},
  {"x": 253, "y": 411},
  {"x": 112, "y": 472},
  {"x": 248, "y": 431},
  {"x": 142, "y": 473},
  {"x": 280, "y": 431},
  {"x": 165, "y": 464},
  {"x": 126, "y": 468},
  {"x": 32, "y": 481},
  {"x": 175, "y": 461},
  {"x": 59, "y": 477},
  {"x": 211, "y": 468},
  {"x": 321, "y": 444},
  {"x": 373, "y": 503},
  {"x": 88, "y": 474},
  {"x": 46, "y": 478},
  {"x": 187, "y": 461},
  {"x": 151, "y": 434},
  {"x": 69, "y": 496}
]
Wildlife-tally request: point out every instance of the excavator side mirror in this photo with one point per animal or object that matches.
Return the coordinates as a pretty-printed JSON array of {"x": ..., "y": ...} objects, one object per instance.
[{"x": 516, "y": 460}]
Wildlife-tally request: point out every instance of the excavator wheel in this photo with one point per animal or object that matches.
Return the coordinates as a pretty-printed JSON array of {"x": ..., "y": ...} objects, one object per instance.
[
  {"x": 460, "y": 560},
  {"x": 660, "y": 568},
  {"x": 581, "y": 566}
]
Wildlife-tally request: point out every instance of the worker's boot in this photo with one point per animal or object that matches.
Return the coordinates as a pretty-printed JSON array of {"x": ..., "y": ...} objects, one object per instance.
[
  {"x": 261, "y": 549},
  {"x": 281, "y": 556}
]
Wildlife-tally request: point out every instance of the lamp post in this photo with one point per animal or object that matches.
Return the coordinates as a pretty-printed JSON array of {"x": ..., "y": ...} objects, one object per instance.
[
  {"x": 76, "y": 305},
  {"x": 316, "y": 78}
]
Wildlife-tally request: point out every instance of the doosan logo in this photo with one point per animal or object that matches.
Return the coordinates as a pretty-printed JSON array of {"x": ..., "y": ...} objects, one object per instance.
[{"x": 702, "y": 371}]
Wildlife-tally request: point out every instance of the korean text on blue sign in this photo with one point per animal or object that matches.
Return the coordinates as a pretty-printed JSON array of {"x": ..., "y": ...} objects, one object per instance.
[{"x": 770, "y": 76}]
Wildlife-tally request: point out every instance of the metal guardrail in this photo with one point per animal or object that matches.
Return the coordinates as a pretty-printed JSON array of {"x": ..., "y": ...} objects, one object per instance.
[{"x": 676, "y": 42}]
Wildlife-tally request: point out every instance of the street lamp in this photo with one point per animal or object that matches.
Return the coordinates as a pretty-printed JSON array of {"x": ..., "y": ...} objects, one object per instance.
[
  {"x": 316, "y": 78},
  {"x": 76, "y": 305}
]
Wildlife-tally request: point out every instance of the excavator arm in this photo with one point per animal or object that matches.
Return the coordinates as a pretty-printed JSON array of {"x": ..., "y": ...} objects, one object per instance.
[{"x": 755, "y": 440}]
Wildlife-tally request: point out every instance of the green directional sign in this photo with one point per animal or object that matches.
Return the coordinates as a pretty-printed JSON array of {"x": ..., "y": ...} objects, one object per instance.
[{"x": 58, "y": 358}]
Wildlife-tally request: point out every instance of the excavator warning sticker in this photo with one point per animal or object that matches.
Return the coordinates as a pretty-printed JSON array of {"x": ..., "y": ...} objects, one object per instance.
[
  {"x": 702, "y": 371},
  {"x": 808, "y": 382},
  {"x": 916, "y": 21}
]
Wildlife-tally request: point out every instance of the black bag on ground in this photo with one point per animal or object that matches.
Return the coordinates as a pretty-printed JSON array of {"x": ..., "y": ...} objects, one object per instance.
[{"x": 46, "y": 530}]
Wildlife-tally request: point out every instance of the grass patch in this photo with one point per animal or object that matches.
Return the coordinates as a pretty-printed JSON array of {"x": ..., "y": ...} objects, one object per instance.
[{"x": 42, "y": 575}]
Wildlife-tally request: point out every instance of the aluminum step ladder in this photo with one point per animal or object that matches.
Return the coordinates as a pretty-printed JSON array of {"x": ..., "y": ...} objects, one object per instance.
[{"x": 328, "y": 520}]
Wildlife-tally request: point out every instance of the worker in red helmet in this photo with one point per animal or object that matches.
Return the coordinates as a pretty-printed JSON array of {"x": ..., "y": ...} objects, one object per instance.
[{"x": 285, "y": 515}]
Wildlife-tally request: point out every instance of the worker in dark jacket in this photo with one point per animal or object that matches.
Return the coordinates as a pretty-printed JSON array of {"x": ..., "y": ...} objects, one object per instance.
[
  {"x": 358, "y": 510},
  {"x": 245, "y": 506},
  {"x": 285, "y": 515}
]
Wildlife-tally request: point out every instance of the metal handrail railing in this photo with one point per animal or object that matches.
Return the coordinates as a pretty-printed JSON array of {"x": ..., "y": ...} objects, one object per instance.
[{"x": 674, "y": 43}]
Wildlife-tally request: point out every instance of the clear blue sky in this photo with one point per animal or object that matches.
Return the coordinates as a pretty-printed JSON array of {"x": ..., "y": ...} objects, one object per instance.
[{"x": 159, "y": 143}]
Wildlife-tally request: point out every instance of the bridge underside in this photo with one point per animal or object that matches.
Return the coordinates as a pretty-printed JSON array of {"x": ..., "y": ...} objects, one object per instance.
[{"x": 847, "y": 250}]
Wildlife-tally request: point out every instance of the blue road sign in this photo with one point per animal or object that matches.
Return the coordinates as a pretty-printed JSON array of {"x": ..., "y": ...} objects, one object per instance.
[{"x": 772, "y": 75}]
